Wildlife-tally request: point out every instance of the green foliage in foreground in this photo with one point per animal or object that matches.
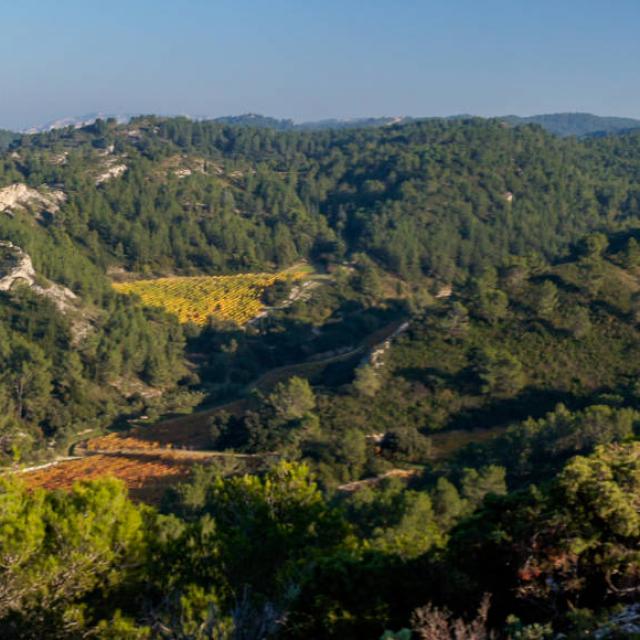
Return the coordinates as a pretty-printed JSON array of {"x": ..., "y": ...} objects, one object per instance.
[
  {"x": 251, "y": 557},
  {"x": 231, "y": 555}
]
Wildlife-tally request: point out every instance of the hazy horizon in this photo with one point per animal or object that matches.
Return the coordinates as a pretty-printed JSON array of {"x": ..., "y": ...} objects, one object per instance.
[
  {"x": 104, "y": 114},
  {"x": 318, "y": 61}
]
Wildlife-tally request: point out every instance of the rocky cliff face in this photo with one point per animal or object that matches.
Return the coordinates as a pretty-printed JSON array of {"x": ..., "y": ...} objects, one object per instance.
[
  {"x": 20, "y": 196},
  {"x": 16, "y": 268}
]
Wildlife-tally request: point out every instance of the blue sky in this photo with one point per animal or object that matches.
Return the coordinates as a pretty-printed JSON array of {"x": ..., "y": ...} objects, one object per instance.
[{"x": 313, "y": 59}]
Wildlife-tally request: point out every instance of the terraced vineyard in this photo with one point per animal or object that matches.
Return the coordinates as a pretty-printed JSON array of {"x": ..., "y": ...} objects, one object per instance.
[
  {"x": 146, "y": 468},
  {"x": 147, "y": 477},
  {"x": 194, "y": 299}
]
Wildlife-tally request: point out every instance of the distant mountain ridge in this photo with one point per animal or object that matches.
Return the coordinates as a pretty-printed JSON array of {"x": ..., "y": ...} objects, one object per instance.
[
  {"x": 78, "y": 121},
  {"x": 256, "y": 120},
  {"x": 242, "y": 120},
  {"x": 577, "y": 124},
  {"x": 560, "y": 124}
]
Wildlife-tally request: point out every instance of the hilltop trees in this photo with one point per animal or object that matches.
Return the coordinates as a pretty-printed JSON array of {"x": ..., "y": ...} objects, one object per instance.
[{"x": 427, "y": 198}]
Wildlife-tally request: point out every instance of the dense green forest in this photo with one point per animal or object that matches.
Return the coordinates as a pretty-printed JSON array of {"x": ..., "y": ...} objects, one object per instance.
[
  {"x": 410, "y": 207},
  {"x": 461, "y": 459}
]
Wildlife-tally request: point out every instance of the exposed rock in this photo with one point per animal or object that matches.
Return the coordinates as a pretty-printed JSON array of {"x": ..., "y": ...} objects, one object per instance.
[
  {"x": 62, "y": 297},
  {"x": 444, "y": 291},
  {"x": 108, "y": 151},
  {"x": 20, "y": 196},
  {"x": 16, "y": 267},
  {"x": 112, "y": 171},
  {"x": 60, "y": 158},
  {"x": 183, "y": 166}
]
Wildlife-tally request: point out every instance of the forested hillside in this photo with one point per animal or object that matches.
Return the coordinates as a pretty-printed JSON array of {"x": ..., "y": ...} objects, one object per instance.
[
  {"x": 438, "y": 198},
  {"x": 412, "y": 412}
]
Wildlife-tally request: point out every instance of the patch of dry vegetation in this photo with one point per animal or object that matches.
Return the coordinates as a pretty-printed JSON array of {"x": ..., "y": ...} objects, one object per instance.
[{"x": 147, "y": 477}]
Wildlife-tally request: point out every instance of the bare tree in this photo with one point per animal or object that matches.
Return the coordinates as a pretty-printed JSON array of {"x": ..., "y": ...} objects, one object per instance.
[{"x": 431, "y": 623}]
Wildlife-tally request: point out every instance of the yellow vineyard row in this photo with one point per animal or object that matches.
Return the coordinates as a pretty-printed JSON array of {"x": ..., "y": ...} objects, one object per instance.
[{"x": 194, "y": 299}]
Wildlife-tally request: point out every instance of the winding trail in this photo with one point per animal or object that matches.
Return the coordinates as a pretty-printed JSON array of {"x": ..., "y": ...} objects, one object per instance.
[
  {"x": 191, "y": 430},
  {"x": 152, "y": 458}
]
